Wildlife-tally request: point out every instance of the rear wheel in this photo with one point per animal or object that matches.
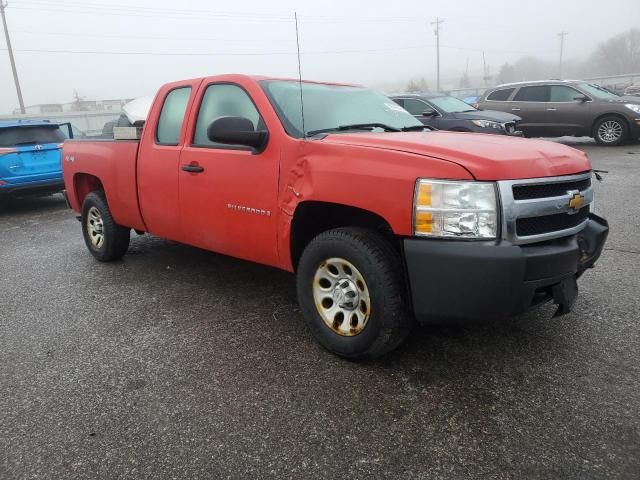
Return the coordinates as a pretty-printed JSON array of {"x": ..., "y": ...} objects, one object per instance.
[
  {"x": 105, "y": 239},
  {"x": 352, "y": 293},
  {"x": 610, "y": 131}
]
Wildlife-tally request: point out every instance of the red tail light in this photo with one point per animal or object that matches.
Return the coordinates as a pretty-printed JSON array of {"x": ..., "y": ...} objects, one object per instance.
[{"x": 6, "y": 151}]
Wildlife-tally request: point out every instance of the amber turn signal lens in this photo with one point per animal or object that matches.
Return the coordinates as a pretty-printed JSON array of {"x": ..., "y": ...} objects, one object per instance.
[
  {"x": 424, "y": 222},
  {"x": 424, "y": 195}
]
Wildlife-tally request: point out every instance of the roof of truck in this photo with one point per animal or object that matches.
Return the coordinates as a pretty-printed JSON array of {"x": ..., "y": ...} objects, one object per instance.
[
  {"x": 23, "y": 123},
  {"x": 228, "y": 76}
]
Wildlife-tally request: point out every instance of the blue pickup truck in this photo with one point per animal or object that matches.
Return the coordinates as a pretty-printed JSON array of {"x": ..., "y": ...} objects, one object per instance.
[{"x": 30, "y": 157}]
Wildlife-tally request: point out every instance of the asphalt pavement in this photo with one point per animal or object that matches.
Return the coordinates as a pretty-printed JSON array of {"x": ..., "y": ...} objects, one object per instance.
[{"x": 180, "y": 363}]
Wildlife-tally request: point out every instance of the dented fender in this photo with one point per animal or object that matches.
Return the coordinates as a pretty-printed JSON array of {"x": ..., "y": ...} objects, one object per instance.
[{"x": 379, "y": 181}]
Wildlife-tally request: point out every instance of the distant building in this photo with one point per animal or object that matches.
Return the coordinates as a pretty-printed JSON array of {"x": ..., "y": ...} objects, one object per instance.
[{"x": 97, "y": 106}]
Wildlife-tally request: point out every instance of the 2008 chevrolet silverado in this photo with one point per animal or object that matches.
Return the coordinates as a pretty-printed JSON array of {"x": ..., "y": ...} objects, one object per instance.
[{"x": 382, "y": 221}]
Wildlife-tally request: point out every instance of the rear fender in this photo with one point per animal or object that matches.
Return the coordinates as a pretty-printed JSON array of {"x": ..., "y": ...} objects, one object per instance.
[{"x": 83, "y": 185}]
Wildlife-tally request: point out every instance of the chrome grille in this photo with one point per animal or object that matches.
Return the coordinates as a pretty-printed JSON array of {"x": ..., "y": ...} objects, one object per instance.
[
  {"x": 543, "y": 190},
  {"x": 535, "y": 210}
]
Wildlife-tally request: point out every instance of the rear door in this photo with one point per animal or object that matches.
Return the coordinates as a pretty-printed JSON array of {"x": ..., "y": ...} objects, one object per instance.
[
  {"x": 159, "y": 160},
  {"x": 31, "y": 153},
  {"x": 530, "y": 104}
]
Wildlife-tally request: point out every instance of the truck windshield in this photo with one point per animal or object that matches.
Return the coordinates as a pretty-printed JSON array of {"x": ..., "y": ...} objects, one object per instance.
[
  {"x": 328, "y": 107},
  {"x": 15, "y": 136}
]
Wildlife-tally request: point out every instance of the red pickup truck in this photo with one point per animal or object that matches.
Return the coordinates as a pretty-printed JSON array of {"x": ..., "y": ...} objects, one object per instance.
[{"x": 382, "y": 220}]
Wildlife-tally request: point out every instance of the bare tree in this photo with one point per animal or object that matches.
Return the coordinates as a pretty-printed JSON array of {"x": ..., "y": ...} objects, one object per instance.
[
  {"x": 417, "y": 85},
  {"x": 465, "y": 82},
  {"x": 618, "y": 55}
]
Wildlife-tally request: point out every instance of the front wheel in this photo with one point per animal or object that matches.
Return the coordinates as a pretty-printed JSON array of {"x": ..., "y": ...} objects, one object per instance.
[
  {"x": 352, "y": 293},
  {"x": 105, "y": 239},
  {"x": 610, "y": 131}
]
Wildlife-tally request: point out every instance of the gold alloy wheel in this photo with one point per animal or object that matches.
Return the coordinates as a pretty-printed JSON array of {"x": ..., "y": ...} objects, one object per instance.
[
  {"x": 95, "y": 227},
  {"x": 341, "y": 297}
]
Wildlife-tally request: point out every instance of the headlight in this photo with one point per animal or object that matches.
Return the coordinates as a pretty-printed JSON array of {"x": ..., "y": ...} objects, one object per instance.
[
  {"x": 632, "y": 106},
  {"x": 455, "y": 209},
  {"x": 487, "y": 124}
]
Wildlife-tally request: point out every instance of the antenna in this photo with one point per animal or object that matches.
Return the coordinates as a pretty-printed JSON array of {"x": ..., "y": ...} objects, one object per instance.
[{"x": 304, "y": 131}]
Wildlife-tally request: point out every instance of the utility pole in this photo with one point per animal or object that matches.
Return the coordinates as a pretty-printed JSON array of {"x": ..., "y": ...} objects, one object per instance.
[
  {"x": 3, "y": 5},
  {"x": 437, "y": 33},
  {"x": 561, "y": 35}
]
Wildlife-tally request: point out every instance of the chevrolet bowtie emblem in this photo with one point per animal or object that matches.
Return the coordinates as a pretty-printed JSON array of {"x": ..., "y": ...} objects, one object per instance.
[{"x": 576, "y": 202}]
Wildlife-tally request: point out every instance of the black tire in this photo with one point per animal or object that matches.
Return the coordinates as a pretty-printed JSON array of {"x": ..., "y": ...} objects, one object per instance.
[
  {"x": 389, "y": 321},
  {"x": 115, "y": 239},
  {"x": 617, "y": 124}
]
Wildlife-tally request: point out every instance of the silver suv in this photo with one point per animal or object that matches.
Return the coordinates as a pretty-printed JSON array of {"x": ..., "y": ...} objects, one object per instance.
[{"x": 554, "y": 108}]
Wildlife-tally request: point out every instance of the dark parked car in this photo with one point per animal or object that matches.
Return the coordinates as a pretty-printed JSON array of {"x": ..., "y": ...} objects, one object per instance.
[
  {"x": 554, "y": 108},
  {"x": 449, "y": 113}
]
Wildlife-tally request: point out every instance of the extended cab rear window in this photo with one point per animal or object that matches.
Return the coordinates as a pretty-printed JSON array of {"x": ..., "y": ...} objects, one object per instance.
[
  {"x": 30, "y": 135},
  {"x": 172, "y": 116}
]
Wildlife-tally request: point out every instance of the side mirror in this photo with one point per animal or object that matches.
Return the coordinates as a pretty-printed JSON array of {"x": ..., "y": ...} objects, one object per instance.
[
  {"x": 429, "y": 113},
  {"x": 580, "y": 98},
  {"x": 237, "y": 131}
]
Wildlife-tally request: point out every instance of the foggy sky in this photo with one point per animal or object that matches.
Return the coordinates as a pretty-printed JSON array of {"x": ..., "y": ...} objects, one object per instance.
[{"x": 372, "y": 42}]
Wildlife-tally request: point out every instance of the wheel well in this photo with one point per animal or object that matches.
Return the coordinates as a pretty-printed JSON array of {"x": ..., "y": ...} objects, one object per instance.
[
  {"x": 312, "y": 218},
  {"x": 84, "y": 184},
  {"x": 617, "y": 115}
]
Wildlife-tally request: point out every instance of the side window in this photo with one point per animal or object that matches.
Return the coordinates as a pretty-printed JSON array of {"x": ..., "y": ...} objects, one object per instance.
[
  {"x": 562, "y": 93},
  {"x": 172, "y": 116},
  {"x": 224, "y": 100},
  {"x": 500, "y": 95},
  {"x": 415, "y": 107},
  {"x": 539, "y": 93},
  {"x": 399, "y": 101}
]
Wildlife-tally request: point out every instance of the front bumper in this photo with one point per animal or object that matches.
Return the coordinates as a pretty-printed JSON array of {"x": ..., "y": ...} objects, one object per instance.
[
  {"x": 457, "y": 280},
  {"x": 634, "y": 130},
  {"x": 32, "y": 188}
]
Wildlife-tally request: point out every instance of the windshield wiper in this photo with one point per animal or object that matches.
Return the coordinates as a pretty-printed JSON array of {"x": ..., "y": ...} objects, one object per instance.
[
  {"x": 355, "y": 126},
  {"x": 416, "y": 128}
]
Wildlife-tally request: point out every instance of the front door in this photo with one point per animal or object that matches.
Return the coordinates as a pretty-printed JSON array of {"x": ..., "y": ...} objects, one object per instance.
[
  {"x": 417, "y": 107},
  {"x": 566, "y": 115},
  {"x": 228, "y": 194}
]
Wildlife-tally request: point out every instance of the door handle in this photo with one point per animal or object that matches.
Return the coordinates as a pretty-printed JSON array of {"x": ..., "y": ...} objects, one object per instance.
[
  {"x": 193, "y": 168},
  {"x": 515, "y": 109}
]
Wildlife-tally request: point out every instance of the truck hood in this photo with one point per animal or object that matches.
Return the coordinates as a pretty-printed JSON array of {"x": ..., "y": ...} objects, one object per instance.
[{"x": 486, "y": 157}]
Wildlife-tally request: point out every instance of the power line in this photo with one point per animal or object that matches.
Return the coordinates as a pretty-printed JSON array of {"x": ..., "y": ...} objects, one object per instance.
[
  {"x": 149, "y": 37},
  {"x": 93, "y": 6},
  {"x": 214, "y": 54},
  {"x": 243, "y": 40}
]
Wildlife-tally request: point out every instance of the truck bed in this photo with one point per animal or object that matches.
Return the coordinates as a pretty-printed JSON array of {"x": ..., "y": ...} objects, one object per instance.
[{"x": 114, "y": 163}]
